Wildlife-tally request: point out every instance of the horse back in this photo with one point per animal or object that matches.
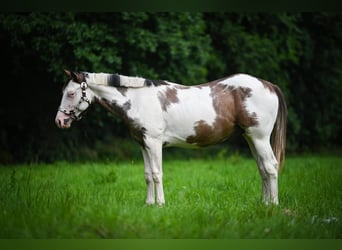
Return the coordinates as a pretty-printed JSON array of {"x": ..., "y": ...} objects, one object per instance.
[{"x": 207, "y": 114}]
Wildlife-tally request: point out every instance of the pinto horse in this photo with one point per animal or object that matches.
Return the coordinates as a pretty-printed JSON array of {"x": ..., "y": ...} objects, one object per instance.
[{"x": 162, "y": 114}]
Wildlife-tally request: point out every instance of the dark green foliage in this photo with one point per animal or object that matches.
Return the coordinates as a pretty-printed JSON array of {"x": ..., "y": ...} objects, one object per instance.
[{"x": 301, "y": 52}]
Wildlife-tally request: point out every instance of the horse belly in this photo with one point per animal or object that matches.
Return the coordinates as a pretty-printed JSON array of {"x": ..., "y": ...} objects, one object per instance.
[
  {"x": 200, "y": 135},
  {"x": 180, "y": 125}
]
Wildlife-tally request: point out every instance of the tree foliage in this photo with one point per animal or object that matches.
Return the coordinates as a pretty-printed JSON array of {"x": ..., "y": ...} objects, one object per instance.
[{"x": 301, "y": 52}]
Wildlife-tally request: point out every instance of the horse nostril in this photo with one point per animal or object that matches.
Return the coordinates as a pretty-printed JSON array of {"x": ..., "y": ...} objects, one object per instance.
[{"x": 58, "y": 122}]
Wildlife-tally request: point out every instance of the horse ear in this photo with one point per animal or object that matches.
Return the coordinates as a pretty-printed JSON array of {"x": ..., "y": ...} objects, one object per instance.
[
  {"x": 72, "y": 75},
  {"x": 68, "y": 73}
]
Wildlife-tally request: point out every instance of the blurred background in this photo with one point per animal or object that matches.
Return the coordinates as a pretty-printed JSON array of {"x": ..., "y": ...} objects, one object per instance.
[{"x": 300, "y": 52}]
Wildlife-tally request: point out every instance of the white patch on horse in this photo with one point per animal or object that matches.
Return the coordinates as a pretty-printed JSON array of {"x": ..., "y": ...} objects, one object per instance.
[
  {"x": 194, "y": 105},
  {"x": 242, "y": 80},
  {"x": 146, "y": 109}
]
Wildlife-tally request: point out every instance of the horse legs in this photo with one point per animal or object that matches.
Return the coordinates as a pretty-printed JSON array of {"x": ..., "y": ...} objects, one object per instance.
[
  {"x": 152, "y": 153},
  {"x": 148, "y": 178},
  {"x": 268, "y": 167}
]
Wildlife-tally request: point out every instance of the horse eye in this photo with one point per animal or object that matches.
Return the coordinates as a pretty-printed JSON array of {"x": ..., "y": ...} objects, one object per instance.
[{"x": 71, "y": 94}]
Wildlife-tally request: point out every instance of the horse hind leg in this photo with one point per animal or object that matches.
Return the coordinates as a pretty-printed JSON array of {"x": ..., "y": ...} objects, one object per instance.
[{"x": 267, "y": 165}]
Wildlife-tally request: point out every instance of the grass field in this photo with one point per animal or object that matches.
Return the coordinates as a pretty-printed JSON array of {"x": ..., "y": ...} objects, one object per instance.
[{"x": 217, "y": 198}]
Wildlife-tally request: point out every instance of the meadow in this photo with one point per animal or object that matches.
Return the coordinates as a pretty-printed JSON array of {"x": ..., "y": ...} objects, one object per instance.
[{"x": 217, "y": 197}]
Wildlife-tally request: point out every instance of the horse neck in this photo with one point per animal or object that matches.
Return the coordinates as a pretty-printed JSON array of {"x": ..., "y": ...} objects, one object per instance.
[{"x": 110, "y": 94}]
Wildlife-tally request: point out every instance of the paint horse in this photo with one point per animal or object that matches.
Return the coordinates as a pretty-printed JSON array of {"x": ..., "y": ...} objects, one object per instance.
[{"x": 162, "y": 114}]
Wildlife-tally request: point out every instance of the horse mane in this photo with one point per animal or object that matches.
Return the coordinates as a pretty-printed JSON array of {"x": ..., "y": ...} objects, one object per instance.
[{"x": 116, "y": 80}]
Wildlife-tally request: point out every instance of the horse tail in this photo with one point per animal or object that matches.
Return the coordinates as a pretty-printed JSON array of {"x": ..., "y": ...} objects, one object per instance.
[{"x": 278, "y": 139}]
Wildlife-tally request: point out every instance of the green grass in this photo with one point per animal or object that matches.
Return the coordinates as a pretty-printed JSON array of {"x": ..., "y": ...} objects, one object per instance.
[{"x": 217, "y": 198}]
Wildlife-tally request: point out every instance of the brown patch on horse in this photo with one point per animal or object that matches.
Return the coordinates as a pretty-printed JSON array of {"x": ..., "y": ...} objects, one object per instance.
[
  {"x": 208, "y": 135},
  {"x": 168, "y": 97},
  {"x": 228, "y": 103},
  {"x": 112, "y": 107},
  {"x": 137, "y": 132},
  {"x": 80, "y": 77},
  {"x": 224, "y": 123},
  {"x": 243, "y": 118}
]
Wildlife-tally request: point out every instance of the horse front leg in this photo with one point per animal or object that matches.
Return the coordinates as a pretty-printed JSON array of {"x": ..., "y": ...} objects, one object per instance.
[
  {"x": 150, "y": 200},
  {"x": 153, "y": 154}
]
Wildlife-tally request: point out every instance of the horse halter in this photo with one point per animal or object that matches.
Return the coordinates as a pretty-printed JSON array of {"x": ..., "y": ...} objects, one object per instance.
[{"x": 72, "y": 112}]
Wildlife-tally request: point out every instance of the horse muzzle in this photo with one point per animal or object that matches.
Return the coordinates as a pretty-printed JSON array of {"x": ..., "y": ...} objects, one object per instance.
[{"x": 62, "y": 120}]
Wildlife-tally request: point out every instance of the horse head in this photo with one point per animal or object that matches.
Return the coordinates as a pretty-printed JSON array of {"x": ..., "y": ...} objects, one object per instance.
[{"x": 75, "y": 100}]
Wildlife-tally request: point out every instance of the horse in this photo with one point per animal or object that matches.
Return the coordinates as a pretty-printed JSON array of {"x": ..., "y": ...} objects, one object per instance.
[{"x": 161, "y": 113}]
